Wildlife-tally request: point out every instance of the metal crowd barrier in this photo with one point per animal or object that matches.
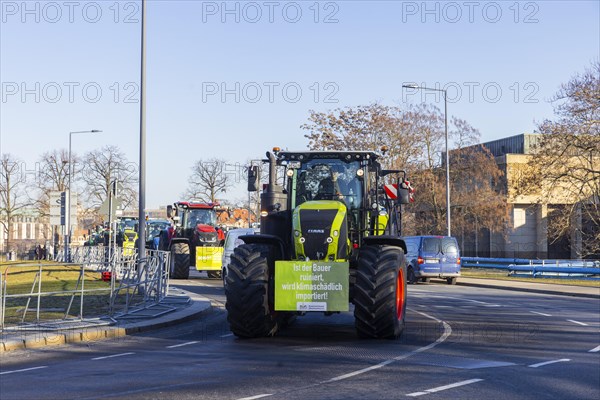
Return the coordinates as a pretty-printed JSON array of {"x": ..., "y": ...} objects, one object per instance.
[{"x": 134, "y": 284}]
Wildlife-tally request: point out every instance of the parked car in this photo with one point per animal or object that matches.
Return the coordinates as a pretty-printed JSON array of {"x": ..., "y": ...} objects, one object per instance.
[
  {"x": 432, "y": 257},
  {"x": 232, "y": 240}
]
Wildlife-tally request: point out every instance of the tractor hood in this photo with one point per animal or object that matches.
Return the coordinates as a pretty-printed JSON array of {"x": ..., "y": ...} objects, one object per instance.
[
  {"x": 320, "y": 230},
  {"x": 205, "y": 228}
]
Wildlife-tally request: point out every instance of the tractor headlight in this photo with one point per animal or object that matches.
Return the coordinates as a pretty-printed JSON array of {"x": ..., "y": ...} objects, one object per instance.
[
  {"x": 335, "y": 233},
  {"x": 329, "y": 239},
  {"x": 301, "y": 240}
]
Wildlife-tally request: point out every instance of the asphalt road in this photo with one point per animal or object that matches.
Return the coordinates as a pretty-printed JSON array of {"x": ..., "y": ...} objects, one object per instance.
[{"x": 459, "y": 343}]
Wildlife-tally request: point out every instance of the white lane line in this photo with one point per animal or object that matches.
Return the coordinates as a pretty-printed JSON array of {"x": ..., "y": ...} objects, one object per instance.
[
  {"x": 483, "y": 303},
  {"x": 540, "y": 313},
  {"x": 577, "y": 322},
  {"x": 595, "y": 350},
  {"x": 22, "y": 370},
  {"x": 112, "y": 356},
  {"x": 446, "y": 387},
  {"x": 447, "y": 332},
  {"x": 227, "y": 335},
  {"x": 181, "y": 344},
  {"x": 360, "y": 371},
  {"x": 258, "y": 396},
  {"x": 549, "y": 362}
]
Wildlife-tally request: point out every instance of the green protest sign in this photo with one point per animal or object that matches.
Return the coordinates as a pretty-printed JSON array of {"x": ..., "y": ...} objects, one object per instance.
[{"x": 311, "y": 286}]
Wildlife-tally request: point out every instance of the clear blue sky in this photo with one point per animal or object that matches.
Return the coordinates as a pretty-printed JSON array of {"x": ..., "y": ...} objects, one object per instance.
[{"x": 505, "y": 58}]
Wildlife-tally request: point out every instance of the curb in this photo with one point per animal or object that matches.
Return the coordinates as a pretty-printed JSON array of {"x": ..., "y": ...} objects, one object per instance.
[
  {"x": 36, "y": 340},
  {"x": 522, "y": 289}
]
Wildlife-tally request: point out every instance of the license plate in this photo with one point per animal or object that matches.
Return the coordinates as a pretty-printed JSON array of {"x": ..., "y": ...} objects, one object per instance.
[{"x": 434, "y": 261}]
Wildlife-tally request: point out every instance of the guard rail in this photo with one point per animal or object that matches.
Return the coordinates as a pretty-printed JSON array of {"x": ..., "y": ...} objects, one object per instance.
[{"x": 521, "y": 267}]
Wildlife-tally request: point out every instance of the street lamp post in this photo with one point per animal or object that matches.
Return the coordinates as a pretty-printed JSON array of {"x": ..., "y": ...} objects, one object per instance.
[
  {"x": 414, "y": 86},
  {"x": 68, "y": 199},
  {"x": 142, "y": 167}
]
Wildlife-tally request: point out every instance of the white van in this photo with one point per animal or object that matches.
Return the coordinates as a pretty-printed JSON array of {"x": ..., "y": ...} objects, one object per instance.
[{"x": 232, "y": 240}]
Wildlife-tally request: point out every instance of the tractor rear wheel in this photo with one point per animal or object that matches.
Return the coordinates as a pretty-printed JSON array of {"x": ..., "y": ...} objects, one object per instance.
[
  {"x": 249, "y": 291},
  {"x": 380, "y": 292},
  {"x": 180, "y": 261}
]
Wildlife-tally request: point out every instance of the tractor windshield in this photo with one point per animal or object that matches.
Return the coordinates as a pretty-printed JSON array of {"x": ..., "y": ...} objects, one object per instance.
[
  {"x": 329, "y": 179},
  {"x": 198, "y": 216}
]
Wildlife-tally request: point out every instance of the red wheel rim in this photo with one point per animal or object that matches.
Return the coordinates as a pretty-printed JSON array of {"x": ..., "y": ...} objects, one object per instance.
[{"x": 400, "y": 294}]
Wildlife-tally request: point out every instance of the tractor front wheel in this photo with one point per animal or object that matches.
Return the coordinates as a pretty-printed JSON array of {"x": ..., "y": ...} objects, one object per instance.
[
  {"x": 380, "y": 292},
  {"x": 180, "y": 261},
  {"x": 249, "y": 291}
]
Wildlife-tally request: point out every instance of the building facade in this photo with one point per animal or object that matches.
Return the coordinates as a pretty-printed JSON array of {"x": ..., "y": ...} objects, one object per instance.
[{"x": 531, "y": 222}]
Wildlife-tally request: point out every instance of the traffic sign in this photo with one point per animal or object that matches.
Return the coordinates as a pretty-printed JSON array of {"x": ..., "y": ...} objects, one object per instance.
[
  {"x": 57, "y": 202},
  {"x": 116, "y": 207}
]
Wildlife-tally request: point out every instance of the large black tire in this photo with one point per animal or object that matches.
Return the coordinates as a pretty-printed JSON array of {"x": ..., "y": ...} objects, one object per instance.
[
  {"x": 249, "y": 292},
  {"x": 180, "y": 261},
  {"x": 380, "y": 292},
  {"x": 451, "y": 281}
]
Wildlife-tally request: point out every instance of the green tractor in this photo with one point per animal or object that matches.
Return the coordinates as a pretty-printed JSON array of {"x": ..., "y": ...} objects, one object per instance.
[{"x": 330, "y": 236}]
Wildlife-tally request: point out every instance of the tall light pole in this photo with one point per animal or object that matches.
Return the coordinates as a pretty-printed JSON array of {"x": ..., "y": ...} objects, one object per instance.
[
  {"x": 142, "y": 171},
  {"x": 68, "y": 199},
  {"x": 414, "y": 86}
]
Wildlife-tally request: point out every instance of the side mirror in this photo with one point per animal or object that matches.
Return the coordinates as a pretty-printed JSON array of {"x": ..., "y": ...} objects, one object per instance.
[
  {"x": 252, "y": 178},
  {"x": 403, "y": 196},
  {"x": 169, "y": 211},
  {"x": 405, "y": 192}
]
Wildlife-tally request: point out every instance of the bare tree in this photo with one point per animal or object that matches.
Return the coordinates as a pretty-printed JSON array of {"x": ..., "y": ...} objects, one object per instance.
[
  {"x": 415, "y": 138},
  {"x": 566, "y": 168},
  {"x": 208, "y": 179},
  {"x": 100, "y": 168},
  {"x": 364, "y": 128},
  {"x": 13, "y": 198},
  {"x": 53, "y": 176}
]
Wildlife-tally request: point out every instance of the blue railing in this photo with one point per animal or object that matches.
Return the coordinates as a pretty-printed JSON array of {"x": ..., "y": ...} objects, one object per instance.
[{"x": 521, "y": 267}]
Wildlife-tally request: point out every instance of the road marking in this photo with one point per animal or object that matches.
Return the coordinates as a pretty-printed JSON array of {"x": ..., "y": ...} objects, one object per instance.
[
  {"x": 360, "y": 371},
  {"x": 227, "y": 335},
  {"x": 22, "y": 370},
  {"x": 483, "y": 303},
  {"x": 549, "y": 362},
  {"x": 258, "y": 396},
  {"x": 112, "y": 356},
  {"x": 447, "y": 332},
  {"x": 541, "y": 313},
  {"x": 446, "y": 387},
  {"x": 181, "y": 344},
  {"x": 577, "y": 322},
  {"x": 595, "y": 349}
]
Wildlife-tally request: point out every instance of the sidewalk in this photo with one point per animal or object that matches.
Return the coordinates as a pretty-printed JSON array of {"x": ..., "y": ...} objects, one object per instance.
[
  {"x": 532, "y": 287},
  {"x": 177, "y": 307}
]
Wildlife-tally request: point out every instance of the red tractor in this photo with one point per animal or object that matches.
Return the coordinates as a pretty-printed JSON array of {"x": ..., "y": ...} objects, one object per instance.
[{"x": 194, "y": 239}]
